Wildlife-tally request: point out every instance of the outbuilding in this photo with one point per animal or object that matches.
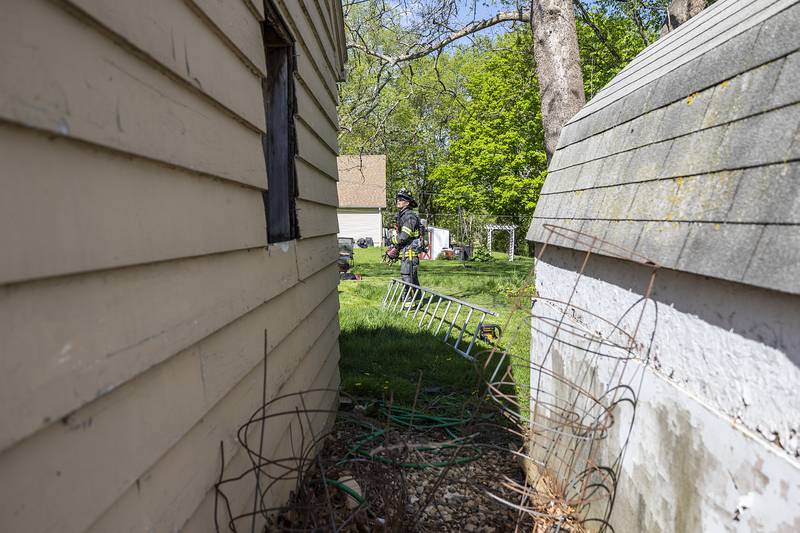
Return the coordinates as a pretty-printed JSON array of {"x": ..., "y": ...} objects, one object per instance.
[
  {"x": 690, "y": 157},
  {"x": 167, "y": 230},
  {"x": 362, "y": 196}
]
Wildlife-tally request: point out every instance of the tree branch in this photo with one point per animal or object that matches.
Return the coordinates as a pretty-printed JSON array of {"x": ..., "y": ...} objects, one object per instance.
[
  {"x": 602, "y": 38},
  {"x": 473, "y": 27}
]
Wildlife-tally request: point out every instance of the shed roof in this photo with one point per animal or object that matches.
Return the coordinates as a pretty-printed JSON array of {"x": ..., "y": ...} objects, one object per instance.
[
  {"x": 362, "y": 180},
  {"x": 691, "y": 154}
]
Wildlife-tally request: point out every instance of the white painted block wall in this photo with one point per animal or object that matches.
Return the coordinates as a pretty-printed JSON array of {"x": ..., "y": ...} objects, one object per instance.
[{"x": 714, "y": 446}]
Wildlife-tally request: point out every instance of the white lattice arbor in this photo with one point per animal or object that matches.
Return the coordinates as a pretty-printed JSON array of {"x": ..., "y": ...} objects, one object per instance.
[{"x": 490, "y": 228}]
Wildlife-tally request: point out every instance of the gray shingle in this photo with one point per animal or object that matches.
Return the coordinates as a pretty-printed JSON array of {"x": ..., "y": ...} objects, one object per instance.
[
  {"x": 654, "y": 200},
  {"x": 743, "y": 95},
  {"x": 648, "y": 162},
  {"x": 663, "y": 242},
  {"x": 614, "y": 169},
  {"x": 787, "y": 88},
  {"x": 589, "y": 174},
  {"x": 777, "y": 37},
  {"x": 684, "y": 116},
  {"x": 706, "y": 197},
  {"x": 774, "y": 263},
  {"x": 616, "y": 202},
  {"x": 719, "y": 250},
  {"x": 548, "y": 205},
  {"x": 768, "y": 194},
  {"x": 561, "y": 180},
  {"x": 759, "y": 140},
  {"x": 624, "y": 233},
  {"x": 694, "y": 153}
]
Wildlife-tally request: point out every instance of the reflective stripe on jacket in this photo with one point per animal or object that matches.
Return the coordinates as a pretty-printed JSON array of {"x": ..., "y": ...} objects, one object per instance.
[{"x": 409, "y": 224}]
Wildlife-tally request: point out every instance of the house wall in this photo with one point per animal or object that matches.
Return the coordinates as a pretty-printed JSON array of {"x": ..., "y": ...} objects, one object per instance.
[
  {"x": 714, "y": 442},
  {"x": 357, "y": 223},
  {"x": 136, "y": 283}
]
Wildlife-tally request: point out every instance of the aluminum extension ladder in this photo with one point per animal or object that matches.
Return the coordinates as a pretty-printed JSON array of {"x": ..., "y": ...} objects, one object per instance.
[{"x": 403, "y": 301}]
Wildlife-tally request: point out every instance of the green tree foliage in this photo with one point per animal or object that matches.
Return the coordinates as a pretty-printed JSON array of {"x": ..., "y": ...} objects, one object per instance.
[
  {"x": 496, "y": 162},
  {"x": 462, "y": 129}
]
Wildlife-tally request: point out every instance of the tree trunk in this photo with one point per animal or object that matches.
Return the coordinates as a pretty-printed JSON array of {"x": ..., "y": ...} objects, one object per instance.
[
  {"x": 680, "y": 11},
  {"x": 558, "y": 68}
]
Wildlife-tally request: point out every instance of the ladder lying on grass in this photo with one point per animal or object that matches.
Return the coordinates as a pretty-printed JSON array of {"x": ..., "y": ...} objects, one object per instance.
[{"x": 434, "y": 308}]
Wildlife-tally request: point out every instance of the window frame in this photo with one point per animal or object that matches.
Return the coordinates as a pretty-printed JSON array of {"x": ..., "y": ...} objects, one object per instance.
[{"x": 279, "y": 143}]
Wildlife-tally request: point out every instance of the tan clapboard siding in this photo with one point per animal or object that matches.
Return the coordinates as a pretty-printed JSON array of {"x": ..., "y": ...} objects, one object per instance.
[
  {"x": 182, "y": 42},
  {"x": 103, "y": 329},
  {"x": 85, "y": 450},
  {"x": 316, "y": 219},
  {"x": 317, "y": 26},
  {"x": 234, "y": 20},
  {"x": 308, "y": 49},
  {"x": 315, "y": 185},
  {"x": 94, "y": 209},
  {"x": 241, "y": 494},
  {"x": 165, "y": 496},
  {"x": 316, "y": 253},
  {"x": 314, "y": 150},
  {"x": 338, "y": 22},
  {"x": 311, "y": 111},
  {"x": 324, "y": 13},
  {"x": 295, "y": 14},
  {"x": 256, "y": 8},
  {"x": 66, "y": 77}
]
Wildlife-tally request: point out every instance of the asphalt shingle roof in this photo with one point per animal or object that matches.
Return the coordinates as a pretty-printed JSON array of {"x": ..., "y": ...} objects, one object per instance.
[
  {"x": 691, "y": 154},
  {"x": 362, "y": 181}
]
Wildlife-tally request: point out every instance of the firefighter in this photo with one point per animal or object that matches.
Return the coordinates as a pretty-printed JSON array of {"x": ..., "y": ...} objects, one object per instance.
[{"x": 406, "y": 240}]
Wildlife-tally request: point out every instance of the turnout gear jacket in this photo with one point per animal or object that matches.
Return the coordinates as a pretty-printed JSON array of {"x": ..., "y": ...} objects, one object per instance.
[{"x": 408, "y": 226}]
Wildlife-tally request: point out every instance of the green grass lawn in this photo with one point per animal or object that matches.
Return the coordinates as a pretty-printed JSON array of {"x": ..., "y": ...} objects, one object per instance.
[{"x": 384, "y": 352}]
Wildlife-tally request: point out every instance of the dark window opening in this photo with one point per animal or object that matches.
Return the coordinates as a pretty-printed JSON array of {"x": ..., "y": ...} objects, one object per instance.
[{"x": 280, "y": 141}]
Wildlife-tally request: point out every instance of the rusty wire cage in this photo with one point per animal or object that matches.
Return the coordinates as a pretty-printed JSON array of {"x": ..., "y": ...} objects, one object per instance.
[{"x": 564, "y": 397}]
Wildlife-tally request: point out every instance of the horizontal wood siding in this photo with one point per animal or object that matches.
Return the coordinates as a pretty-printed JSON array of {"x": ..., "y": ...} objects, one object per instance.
[{"x": 136, "y": 283}]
